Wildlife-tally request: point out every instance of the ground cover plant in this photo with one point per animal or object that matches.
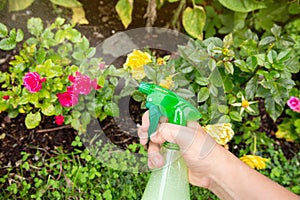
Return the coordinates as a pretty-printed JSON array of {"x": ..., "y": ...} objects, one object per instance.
[{"x": 54, "y": 86}]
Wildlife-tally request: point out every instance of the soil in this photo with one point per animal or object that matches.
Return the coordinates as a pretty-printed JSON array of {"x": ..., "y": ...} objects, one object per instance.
[{"x": 48, "y": 136}]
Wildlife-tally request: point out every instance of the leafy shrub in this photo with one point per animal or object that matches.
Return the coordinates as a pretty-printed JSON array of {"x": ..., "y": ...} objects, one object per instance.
[{"x": 53, "y": 74}]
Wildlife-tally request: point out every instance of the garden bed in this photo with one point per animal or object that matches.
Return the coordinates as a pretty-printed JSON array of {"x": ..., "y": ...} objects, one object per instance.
[{"x": 51, "y": 141}]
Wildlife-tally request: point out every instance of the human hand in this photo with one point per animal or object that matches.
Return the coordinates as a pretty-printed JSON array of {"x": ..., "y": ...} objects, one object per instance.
[{"x": 195, "y": 145}]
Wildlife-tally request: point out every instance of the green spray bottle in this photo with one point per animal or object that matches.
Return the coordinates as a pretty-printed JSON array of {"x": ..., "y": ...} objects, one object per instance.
[{"x": 169, "y": 182}]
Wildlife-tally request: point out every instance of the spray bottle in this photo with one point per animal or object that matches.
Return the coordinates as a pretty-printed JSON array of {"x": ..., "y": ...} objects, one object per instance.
[{"x": 169, "y": 182}]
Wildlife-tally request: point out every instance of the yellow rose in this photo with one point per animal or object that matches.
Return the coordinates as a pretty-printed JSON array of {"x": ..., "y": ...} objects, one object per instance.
[
  {"x": 222, "y": 132},
  {"x": 167, "y": 83},
  {"x": 254, "y": 161},
  {"x": 136, "y": 61}
]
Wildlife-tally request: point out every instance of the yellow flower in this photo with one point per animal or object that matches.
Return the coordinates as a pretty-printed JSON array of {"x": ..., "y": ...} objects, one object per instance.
[
  {"x": 245, "y": 105},
  {"x": 255, "y": 161},
  {"x": 136, "y": 61},
  {"x": 160, "y": 61},
  {"x": 167, "y": 83},
  {"x": 222, "y": 132}
]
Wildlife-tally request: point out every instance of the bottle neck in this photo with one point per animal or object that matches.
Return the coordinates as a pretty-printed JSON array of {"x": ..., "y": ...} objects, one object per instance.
[{"x": 170, "y": 145}]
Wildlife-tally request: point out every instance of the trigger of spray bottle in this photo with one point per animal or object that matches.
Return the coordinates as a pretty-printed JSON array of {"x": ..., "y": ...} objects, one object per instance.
[{"x": 171, "y": 180}]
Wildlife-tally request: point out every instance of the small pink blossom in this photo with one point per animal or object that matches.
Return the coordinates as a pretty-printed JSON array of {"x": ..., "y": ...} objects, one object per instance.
[
  {"x": 294, "y": 104},
  {"x": 59, "y": 120},
  {"x": 83, "y": 84},
  {"x": 68, "y": 98},
  {"x": 102, "y": 66},
  {"x": 95, "y": 85},
  {"x": 5, "y": 97},
  {"x": 33, "y": 81}
]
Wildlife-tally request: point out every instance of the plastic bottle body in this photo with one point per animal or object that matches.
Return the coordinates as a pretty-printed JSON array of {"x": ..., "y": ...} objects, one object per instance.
[{"x": 169, "y": 182}]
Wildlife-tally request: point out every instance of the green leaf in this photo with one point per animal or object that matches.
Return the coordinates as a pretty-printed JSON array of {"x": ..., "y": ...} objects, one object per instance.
[
  {"x": 229, "y": 67},
  {"x": 267, "y": 40},
  {"x": 213, "y": 90},
  {"x": 284, "y": 55},
  {"x": 203, "y": 94},
  {"x": 3, "y": 30},
  {"x": 90, "y": 52},
  {"x": 276, "y": 30},
  {"x": 252, "y": 63},
  {"x": 35, "y": 26},
  {"x": 3, "y": 106},
  {"x": 203, "y": 81},
  {"x": 150, "y": 72},
  {"x": 17, "y": 5},
  {"x": 67, "y": 3},
  {"x": 85, "y": 118},
  {"x": 273, "y": 108},
  {"x": 7, "y": 44},
  {"x": 294, "y": 8},
  {"x": 242, "y": 5},
  {"x": 242, "y": 65},
  {"x": 124, "y": 9},
  {"x": 32, "y": 120},
  {"x": 40, "y": 55},
  {"x": 272, "y": 56},
  {"x": 20, "y": 35},
  {"x": 138, "y": 96},
  {"x": 48, "y": 109},
  {"x": 212, "y": 64},
  {"x": 193, "y": 21},
  {"x": 185, "y": 93},
  {"x": 216, "y": 78},
  {"x": 227, "y": 41},
  {"x": 251, "y": 87},
  {"x": 234, "y": 115},
  {"x": 111, "y": 109}
]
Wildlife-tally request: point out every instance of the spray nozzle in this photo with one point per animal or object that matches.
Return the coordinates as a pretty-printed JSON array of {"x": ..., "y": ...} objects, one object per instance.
[{"x": 163, "y": 102}]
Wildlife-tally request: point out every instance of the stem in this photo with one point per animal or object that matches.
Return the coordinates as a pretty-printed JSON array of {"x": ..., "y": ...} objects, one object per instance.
[
  {"x": 53, "y": 129},
  {"x": 194, "y": 4},
  {"x": 177, "y": 12},
  {"x": 254, "y": 144}
]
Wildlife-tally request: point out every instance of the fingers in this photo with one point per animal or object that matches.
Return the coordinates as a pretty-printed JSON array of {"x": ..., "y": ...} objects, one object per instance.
[
  {"x": 155, "y": 159},
  {"x": 143, "y": 130},
  {"x": 183, "y": 136}
]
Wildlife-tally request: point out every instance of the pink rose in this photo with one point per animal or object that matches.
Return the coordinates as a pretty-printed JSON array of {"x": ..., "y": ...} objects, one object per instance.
[
  {"x": 294, "y": 104},
  {"x": 68, "y": 98},
  {"x": 59, "y": 120},
  {"x": 33, "y": 82},
  {"x": 83, "y": 84},
  {"x": 5, "y": 97}
]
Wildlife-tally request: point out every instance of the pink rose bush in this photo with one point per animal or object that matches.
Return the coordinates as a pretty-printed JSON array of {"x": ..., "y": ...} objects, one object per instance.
[
  {"x": 33, "y": 82},
  {"x": 81, "y": 84},
  {"x": 294, "y": 104}
]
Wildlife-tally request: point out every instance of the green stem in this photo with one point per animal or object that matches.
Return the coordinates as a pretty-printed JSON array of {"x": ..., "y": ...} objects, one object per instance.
[
  {"x": 254, "y": 144},
  {"x": 194, "y": 4},
  {"x": 177, "y": 12}
]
